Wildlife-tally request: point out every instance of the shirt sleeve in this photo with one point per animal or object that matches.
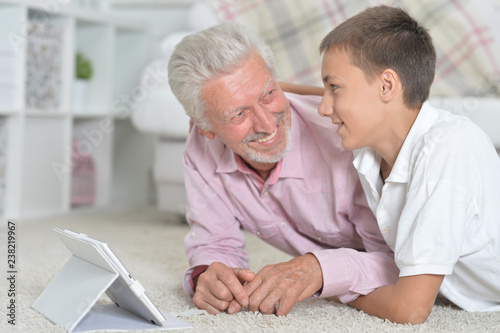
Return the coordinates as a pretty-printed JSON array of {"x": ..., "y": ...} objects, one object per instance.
[
  {"x": 190, "y": 279},
  {"x": 430, "y": 237},
  {"x": 215, "y": 234},
  {"x": 440, "y": 210},
  {"x": 348, "y": 273}
]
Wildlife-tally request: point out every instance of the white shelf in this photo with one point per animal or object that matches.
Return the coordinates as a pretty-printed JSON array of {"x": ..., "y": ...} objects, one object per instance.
[
  {"x": 46, "y": 114},
  {"x": 12, "y": 56},
  {"x": 38, "y": 168},
  {"x": 94, "y": 41},
  {"x": 61, "y": 8},
  {"x": 43, "y": 182}
]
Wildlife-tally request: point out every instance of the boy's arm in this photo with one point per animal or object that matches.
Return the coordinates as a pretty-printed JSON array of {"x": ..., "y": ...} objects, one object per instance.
[
  {"x": 409, "y": 301},
  {"x": 301, "y": 89}
]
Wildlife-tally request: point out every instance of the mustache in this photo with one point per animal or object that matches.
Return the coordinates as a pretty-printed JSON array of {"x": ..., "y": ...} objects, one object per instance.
[{"x": 261, "y": 135}]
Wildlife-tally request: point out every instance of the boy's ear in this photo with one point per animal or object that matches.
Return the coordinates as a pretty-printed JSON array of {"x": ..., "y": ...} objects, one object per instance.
[{"x": 389, "y": 84}]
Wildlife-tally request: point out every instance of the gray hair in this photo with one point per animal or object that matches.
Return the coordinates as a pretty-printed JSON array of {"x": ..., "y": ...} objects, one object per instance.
[{"x": 208, "y": 54}]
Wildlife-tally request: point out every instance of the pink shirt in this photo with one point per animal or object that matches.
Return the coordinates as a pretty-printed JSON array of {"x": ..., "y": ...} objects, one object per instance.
[{"x": 312, "y": 202}]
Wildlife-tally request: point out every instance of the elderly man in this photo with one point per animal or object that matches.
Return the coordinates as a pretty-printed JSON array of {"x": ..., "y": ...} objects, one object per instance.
[{"x": 266, "y": 163}]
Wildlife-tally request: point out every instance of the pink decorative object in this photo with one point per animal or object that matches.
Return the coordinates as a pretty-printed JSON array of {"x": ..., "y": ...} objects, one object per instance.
[{"x": 82, "y": 178}]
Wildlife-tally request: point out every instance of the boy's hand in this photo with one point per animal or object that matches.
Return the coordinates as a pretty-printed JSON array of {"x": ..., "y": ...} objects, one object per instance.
[{"x": 219, "y": 286}]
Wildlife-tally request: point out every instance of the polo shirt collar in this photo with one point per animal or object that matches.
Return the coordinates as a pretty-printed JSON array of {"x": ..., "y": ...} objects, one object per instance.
[
  {"x": 288, "y": 167},
  {"x": 367, "y": 161},
  {"x": 426, "y": 118}
]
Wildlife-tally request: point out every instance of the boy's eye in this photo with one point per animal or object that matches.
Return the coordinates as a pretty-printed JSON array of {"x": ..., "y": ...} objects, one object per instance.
[{"x": 333, "y": 87}]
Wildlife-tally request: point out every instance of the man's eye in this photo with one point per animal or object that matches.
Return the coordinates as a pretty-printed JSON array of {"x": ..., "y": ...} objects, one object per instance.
[
  {"x": 268, "y": 97},
  {"x": 238, "y": 116},
  {"x": 333, "y": 87}
]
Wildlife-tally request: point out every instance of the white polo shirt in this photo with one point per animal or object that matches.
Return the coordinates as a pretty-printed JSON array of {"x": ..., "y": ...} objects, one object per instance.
[{"x": 439, "y": 209}]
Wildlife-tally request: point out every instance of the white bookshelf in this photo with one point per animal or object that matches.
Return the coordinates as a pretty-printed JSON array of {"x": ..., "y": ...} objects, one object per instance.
[{"x": 37, "y": 177}]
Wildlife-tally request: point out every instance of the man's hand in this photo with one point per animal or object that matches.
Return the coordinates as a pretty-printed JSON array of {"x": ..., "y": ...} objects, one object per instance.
[
  {"x": 276, "y": 288},
  {"x": 219, "y": 286}
]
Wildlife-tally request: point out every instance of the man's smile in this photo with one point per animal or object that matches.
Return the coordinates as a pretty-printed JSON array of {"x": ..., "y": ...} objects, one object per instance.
[{"x": 269, "y": 137}]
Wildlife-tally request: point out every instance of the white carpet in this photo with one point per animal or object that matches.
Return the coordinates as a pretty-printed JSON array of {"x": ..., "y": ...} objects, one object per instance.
[{"x": 151, "y": 247}]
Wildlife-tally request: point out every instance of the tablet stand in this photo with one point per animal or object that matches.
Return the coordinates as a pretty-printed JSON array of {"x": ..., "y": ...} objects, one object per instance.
[
  {"x": 73, "y": 292},
  {"x": 70, "y": 299}
]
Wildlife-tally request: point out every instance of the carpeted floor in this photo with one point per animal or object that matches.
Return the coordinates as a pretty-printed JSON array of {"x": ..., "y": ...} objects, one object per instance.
[{"x": 150, "y": 244}]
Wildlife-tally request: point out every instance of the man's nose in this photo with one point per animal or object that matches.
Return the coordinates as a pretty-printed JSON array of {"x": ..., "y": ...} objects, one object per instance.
[
  {"x": 264, "y": 120},
  {"x": 326, "y": 106}
]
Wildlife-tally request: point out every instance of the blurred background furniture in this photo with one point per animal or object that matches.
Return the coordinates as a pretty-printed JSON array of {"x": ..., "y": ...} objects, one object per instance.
[{"x": 38, "y": 48}]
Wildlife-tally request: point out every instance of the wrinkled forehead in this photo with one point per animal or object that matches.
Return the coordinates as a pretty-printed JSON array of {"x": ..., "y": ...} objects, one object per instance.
[{"x": 242, "y": 87}]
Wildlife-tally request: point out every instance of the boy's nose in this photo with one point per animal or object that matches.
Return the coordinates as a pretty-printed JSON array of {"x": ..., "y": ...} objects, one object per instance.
[{"x": 326, "y": 107}]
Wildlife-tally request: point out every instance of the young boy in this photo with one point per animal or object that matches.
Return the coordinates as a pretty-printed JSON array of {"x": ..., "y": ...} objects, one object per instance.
[{"x": 432, "y": 178}]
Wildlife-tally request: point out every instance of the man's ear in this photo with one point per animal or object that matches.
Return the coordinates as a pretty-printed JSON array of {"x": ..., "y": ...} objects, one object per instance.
[
  {"x": 208, "y": 134},
  {"x": 390, "y": 84}
]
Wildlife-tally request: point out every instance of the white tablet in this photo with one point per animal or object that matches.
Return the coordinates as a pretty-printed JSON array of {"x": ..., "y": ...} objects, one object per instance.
[{"x": 125, "y": 292}]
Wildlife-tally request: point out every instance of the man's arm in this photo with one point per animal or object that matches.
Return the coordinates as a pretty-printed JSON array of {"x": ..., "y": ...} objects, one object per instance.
[
  {"x": 409, "y": 301},
  {"x": 215, "y": 239}
]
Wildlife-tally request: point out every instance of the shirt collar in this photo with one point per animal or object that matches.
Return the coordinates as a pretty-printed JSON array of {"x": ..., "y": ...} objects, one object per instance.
[
  {"x": 367, "y": 161},
  {"x": 426, "y": 118},
  {"x": 288, "y": 167}
]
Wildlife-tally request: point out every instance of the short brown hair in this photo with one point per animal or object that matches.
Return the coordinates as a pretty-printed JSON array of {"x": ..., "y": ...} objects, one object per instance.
[{"x": 388, "y": 37}]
